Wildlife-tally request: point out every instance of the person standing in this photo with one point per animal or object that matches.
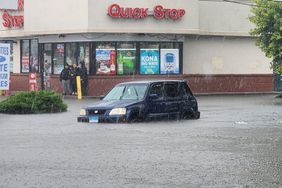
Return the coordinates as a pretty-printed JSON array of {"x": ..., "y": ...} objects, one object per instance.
[
  {"x": 73, "y": 73},
  {"x": 65, "y": 80},
  {"x": 84, "y": 78}
]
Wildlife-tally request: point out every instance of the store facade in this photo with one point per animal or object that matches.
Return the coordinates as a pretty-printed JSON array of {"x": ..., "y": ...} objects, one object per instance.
[{"x": 205, "y": 42}]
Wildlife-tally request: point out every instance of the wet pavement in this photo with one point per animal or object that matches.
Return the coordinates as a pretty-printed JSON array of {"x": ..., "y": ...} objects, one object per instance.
[{"x": 236, "y": 143}]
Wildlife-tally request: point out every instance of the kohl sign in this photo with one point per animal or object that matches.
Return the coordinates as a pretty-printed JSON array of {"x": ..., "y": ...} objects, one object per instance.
[
  {"x": 159, "y": 12},
  {"x": 4, "y": 66}
]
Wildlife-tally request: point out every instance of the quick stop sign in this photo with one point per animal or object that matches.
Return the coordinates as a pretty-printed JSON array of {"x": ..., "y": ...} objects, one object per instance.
[{"x": 159, "y": 12}]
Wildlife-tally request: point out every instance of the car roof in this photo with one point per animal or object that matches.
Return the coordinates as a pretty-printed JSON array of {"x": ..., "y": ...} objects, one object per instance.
[{"x": 150, "y": 81}]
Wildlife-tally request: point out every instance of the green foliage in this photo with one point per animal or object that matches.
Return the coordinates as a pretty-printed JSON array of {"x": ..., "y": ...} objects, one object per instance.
[
  {"x": 267, "y": 17},
  {"x": 33, "y": 102}
]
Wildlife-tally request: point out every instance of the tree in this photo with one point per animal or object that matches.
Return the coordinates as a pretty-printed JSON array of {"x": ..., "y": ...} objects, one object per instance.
[{"x": 267, "y": 17}]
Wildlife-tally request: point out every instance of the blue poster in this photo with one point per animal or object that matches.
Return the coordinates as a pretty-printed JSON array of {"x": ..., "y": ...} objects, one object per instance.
[
  {"x": 170, "y": 61},
  {"x": 149, "y": 61},
  {"x": 4, "y": 66}
]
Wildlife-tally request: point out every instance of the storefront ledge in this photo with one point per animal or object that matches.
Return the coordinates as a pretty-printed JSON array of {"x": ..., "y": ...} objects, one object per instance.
[{"x": 279, "y": 94}]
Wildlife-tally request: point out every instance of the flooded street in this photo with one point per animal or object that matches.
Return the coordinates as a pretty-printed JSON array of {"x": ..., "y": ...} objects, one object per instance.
[{"x": 237, "y": 142}]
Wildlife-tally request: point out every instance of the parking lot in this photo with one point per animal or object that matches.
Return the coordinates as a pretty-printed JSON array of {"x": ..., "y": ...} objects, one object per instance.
[{"x": 236, "y": 143}]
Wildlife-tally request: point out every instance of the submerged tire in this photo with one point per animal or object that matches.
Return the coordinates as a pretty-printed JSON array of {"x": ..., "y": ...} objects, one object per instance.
[
  {"x": 191, "y": 115},
  {"x": 134, "y": 117}
]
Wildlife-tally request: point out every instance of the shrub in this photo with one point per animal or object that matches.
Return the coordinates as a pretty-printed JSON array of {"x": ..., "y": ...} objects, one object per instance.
[{"x": 33, "y": 102}]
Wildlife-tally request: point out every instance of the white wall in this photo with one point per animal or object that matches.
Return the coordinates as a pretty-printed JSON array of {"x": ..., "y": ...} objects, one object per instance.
[
  {"x": 11, "y": 4},
  {"x": 224, "y": 18},
  {"x": 220, "y": 55},
  {"x": 55, "y": 16}
]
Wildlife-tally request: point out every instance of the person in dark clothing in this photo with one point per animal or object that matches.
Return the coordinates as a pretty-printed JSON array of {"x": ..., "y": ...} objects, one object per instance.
[
  {"x": 65, "y": 79},
  {"x": 75, "y": 71},
  {"x": 84, "y": 78}
]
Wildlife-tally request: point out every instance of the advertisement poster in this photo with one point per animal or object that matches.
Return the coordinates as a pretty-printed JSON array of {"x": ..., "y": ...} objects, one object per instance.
[
  {"x": 149, "y": 63},
  {"x": 169, "y": 61},
  {"x": 106, "y": 61},
  {"x": 4, "y": 66},
  {"x": 25, "y": 63},
  {"x": 126, "y": 60}
]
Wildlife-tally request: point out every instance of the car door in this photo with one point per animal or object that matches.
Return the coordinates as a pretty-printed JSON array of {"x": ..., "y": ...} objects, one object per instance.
[
  {"x": 189, "y": 101},
  {"x": 155, "y": 101},
  {"x": 172, "y": 98}
]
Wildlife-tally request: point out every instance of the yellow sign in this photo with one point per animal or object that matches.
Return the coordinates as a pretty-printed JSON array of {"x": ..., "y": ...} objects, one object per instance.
[{"x": 78, "y": 84}]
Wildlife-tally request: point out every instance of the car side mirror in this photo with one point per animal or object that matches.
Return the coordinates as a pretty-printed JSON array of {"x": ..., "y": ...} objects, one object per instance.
[
  {"x": 102, "y": 97},
  {"x": 153, "y": 96}
]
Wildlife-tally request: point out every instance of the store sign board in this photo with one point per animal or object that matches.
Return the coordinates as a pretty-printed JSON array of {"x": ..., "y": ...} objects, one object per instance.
[
  {"x": 159, "y": 12},
  {"x": 4, "y": 66},
  {"x": 11, "y": 17},
  {"x": 9, "y": 4},
  {"x": 149, "y": 63}
]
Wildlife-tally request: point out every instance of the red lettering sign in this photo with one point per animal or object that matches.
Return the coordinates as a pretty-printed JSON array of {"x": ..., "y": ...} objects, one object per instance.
[
  {"x": 12, "y": 21},
  {"x": 161, "y": 13},
  {"x": 20, "y": 4},
  {"x": 115, "y": 11}
]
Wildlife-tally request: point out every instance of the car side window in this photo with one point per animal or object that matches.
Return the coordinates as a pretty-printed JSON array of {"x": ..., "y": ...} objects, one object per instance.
[
  {"x": 171, "y": 90},
  {"x": 157, "y": 89}
]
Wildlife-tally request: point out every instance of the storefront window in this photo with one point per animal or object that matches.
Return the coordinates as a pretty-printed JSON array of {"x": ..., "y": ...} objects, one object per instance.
[
  {"x": 58, "y": 59},
  {"x": 126, "y": 58},
  {"x": 105, "y": 58},
  {"x": 25, "y": 56},
  {"x": 149, "y": 58},
  {"x": 168, "y": 45},
  {"x": 71, "y": 53},
  {"x": 109, "y": 58},
  {"x": 29, "y": 56},
  {"x": 47, "y": 58},
  {"x": 83, "y": 55},
  {"x": 34, "y": 65}
]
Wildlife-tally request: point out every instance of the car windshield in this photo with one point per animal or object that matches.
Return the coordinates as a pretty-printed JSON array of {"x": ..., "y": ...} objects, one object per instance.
[{"x": 127, "y": 92}]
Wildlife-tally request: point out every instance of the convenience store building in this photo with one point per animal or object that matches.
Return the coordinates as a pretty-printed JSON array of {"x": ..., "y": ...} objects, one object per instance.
[{"x": 205, "y": 42}]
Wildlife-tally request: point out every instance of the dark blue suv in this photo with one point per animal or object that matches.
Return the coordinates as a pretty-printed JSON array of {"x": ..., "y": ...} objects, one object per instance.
[{"x": 142, "y": 101}]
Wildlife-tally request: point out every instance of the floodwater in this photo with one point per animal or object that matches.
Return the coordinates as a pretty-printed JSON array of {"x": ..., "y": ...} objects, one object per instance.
[{"x": 236, "y": 143}]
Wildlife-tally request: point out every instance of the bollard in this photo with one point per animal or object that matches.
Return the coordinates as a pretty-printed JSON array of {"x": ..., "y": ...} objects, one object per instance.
[{"x": 78, "y": 84}]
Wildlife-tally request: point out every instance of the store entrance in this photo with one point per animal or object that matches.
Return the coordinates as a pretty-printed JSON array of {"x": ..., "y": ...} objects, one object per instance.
[{"x": 46, "y": 66}]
